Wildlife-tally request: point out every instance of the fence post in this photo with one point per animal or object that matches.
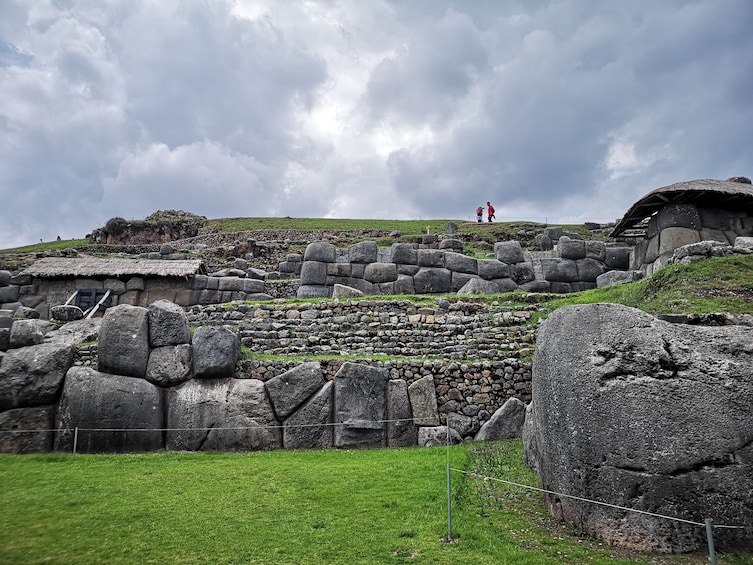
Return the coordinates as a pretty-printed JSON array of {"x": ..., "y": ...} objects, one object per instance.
[
  {"x": 710, "y": 538},
  {"x": 75, "y": 441},
  {"x": 449, "y": 487}
]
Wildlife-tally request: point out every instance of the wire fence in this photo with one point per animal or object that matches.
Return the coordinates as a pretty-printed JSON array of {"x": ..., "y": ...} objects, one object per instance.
[{"x": 708, "y": 524}]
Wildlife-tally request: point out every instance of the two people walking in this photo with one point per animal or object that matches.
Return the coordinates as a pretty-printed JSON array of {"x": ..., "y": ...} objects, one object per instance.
[{"x": 489, "y": 212}]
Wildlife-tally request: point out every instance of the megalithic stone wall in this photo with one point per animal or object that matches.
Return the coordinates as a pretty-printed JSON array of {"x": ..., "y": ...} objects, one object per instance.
[{"x": 408, "y": 268}]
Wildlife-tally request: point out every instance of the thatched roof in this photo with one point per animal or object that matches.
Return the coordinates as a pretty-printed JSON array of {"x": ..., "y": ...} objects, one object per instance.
[
  {"x": 707, "y": 193},
  {"x": 64, "y": 267}
]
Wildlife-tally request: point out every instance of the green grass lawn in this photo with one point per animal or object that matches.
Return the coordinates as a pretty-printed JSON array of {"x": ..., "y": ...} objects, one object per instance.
[{"x": 334, "y": 506}]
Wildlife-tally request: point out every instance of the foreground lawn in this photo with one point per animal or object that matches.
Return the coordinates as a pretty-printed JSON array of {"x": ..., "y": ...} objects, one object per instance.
[{"x": 335, "y": 506}]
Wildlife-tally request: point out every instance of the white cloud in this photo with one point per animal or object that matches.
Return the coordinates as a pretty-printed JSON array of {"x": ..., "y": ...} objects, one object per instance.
[{"x": 362, "y": 109}]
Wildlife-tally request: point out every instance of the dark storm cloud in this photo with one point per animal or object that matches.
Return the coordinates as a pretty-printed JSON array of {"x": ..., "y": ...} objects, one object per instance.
[{"x": 552, "y": 109}]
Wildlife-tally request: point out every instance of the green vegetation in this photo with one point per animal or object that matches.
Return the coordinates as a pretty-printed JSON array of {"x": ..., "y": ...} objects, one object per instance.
[
  {"x": 48, "y": 246},
  {"x": 334, "y": 506},
  {"x": 723, "y": 284}
]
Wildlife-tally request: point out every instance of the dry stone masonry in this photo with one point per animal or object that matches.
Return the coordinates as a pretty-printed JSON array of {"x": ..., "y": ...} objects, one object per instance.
[{"x": 407, "y": 268}]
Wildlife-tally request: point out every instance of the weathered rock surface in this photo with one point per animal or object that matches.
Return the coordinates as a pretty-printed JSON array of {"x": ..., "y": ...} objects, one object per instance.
[
  {"x": 423, "y": 399},
  {"x": 221, "y": 415},
  {"x": 33, "y": 419},
  {"x": 215, "y": 352},
  {"x": 24, "y": 333},
  {"x": 291, "y": 389},
  {"x": 131, "y": 408},
  {"x": 505, "y": 423},
  {"x": 32, "y": 376},
  {"x": 168, "y": 324},
  {"x": 124, "y": 341},
  {"x": 436, "y": 436},
  {"x": 360, "y": 406},
  {"x": 401, "y": 430},
  {"x": 169, "y": 365},
  {"x": 637, "y": 412},
  {"x": 310, "y": 427}
]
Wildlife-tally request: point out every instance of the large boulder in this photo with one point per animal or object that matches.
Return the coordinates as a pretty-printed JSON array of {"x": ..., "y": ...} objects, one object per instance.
[
  {"x": 506, "y": 422},
  {"x": 401, "y": 430},
  {"x": 169, "y": 365},
  {"x": 128, "y": 410},
  {"x": 310, "y": 427},
  {"x": 423, "y": 400},
  {"x": 29, "y": 332},
  {"x": 292, "y": 388},
  {"x": 360, "y": 406},
  {"x": 38, "y": 421},
  {"x": 124, "y": 341},
  {"x": 221, "y": 415},
  {"x": 215, "y": 352},
  {"x": 33, "y": 376},
  {"x": 168, "y": 324},
  {"x": 640, "y": 413}
]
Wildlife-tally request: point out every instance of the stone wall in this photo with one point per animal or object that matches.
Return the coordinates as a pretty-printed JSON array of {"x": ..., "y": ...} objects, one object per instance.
[
  {"x": 148, "y": 373},
  {"x": 677, "y": 225},
  {"x": 42, "y": 294},
  {"x": 408, "y": 268},
  {"x": 454, "y": 330}
]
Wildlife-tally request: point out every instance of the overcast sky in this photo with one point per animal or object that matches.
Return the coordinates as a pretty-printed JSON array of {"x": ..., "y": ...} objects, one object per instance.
[{"x": 558, "y": 111}]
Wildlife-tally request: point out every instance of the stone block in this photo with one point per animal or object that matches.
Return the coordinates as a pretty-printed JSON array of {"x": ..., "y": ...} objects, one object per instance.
[
  {"x": 231, "y": 284},
  {"x": 36, "y": 419},
  {"x": 571, "y": 248},
  {"x": 678, "y": 216},
  {"x": 168, "y": 324},
  {"x": 430, "y": 258},
  {"x": 313, "y": 273},
  {"x": 313, "y": 291},
  {"x": 431, "y": 280},
  {"x": 509, "y": 252},
  {"x": 401, "y": 429},
  {"x": 363, "y": 252},
  {"x": 404, "y": 254},
  {"x": 124, "y": 341},
  {"x": 423, "y": 400},
  {"x": 310, "y": 427},
  {"x": 215, "y": 352},
  {"x": 380, "y": 272},
  {"x": 672, "y": 238},
  {"x": 459, "y": 263},
  {"x": 493, "y": 269},
  {"x": 360, "y": 398},
  {"x": 88, "y": 283},
  {"x": 33, "y": 376},
  {"x": 320, "y": 251},
  {"x": 135, "y": 283}
]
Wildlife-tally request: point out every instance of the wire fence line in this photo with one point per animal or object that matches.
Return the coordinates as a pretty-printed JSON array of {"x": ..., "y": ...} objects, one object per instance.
[
  {"x": 214, "y": 428},
  {"x": 580, "y": 498},
  {"x": 384, "y": 421}
]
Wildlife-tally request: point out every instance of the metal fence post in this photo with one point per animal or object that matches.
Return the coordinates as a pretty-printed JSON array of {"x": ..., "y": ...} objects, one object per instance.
[
  {"x": 75, "y": 441},
  {"x": 710, "y": 538},
  {"x": 449, "y": 488}
]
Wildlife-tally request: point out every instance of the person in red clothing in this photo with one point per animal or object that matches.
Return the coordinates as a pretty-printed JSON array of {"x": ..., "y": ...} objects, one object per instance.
[{"x": 489, "y": 211}]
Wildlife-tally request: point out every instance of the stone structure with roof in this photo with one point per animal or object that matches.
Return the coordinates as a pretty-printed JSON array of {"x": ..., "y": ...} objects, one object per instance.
[{"x": 684, "y": 213}]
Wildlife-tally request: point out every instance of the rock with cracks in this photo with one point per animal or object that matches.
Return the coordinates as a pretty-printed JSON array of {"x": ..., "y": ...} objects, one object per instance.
[{"x": 640, "y": 413}]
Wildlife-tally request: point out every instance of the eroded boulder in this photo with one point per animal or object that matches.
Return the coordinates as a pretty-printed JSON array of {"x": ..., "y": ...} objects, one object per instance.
[
  {"x": 506, "y": 422},
  {"x": 168, "y": 324},
  {"x": 221, "y": 415},
  {"x": 310, "y": 427},
  {"x": 360, "y": 406},
  {"x": 124, "y": 341},
  {"x": 641, "y": 413},
  {"x": 292, "y": 388},
  {"x": 128, "y": 410},
  {"x": 32, "y": 376},
  {"x": 215, "y": 352}
]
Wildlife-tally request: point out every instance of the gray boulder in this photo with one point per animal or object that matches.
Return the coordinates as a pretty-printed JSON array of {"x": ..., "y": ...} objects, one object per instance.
[
  {"x": 34, "y": 419},
  {"x": 404, "y": 254},
  {"x": 292, "y": 388},
  {"x": 360, "y": 406},
  {"x": 320, "y": 251},
  {"x": 5, "y": 277},
  {"x": 478, "y": 286},
  {"x": 66, "y": 313},
  {"x": 363, "y": 252},
  {"x": 75, "y": 332},
  {"x": 423, "y": 400},
  {"x": 124, "y": 341},
  {"x": 506, "y": 422},
  {"x": 310, "y": 427},
  {"x": 24, "y": 333},
  {"x": 314, "y": 273},
  {"x": 168, "y": 324},
  {"x": 436, "y": 436},
  {"x": 27, "y": 313},
  {"x": 451, "y": 244},
  {"x": 571, "y": 248},
  {"x": 401, "y": 429},
  {"x": 342, "y": 291},
  {"x": 380, "y": 272},
  {"x": 33, "y": 376},
  {"x": 617, "y": 277},
  {"x": 431, "y": 280},
  {"x": 641, "y": 413},
  {"x": 460, "y": 263},
  {"x": 313, "y": 291},
  {"x": 509, "y": 252},
  {"x": 221, "y": 415},
  {"x": 215, "y": 352},
  {"x": 493, "y": 269},
  {"x": 93, "y": 401},
  {"x": 169, "y": 365}
]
